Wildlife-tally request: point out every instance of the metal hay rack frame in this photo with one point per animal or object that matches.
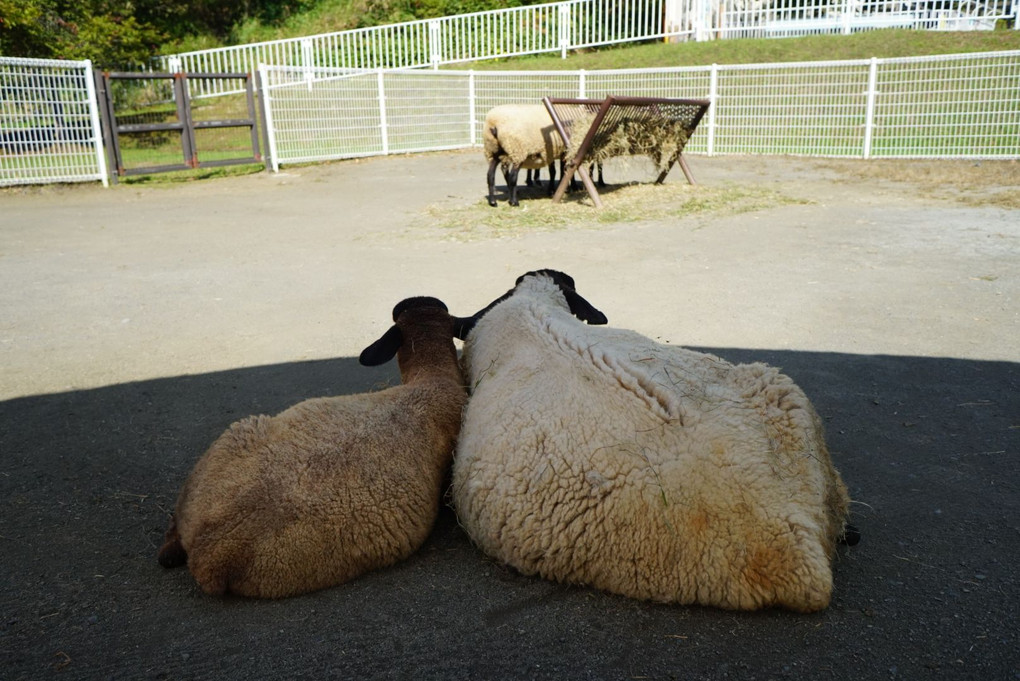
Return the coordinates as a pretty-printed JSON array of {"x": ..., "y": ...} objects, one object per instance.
[{"x": 655, "y": 126}]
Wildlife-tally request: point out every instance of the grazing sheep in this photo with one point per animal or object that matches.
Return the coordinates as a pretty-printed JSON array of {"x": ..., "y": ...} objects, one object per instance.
[
  {"x": 519, "y": 136},
  {"x": 332, "y": 487},
  {"x": 597, "y": 456}
]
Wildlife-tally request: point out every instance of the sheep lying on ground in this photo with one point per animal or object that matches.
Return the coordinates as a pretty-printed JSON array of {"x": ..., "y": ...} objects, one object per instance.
[
  {"x": 597, "y": 456},
  {"x": 519, "y": 136},
  {"x": 332, "y": 487}
]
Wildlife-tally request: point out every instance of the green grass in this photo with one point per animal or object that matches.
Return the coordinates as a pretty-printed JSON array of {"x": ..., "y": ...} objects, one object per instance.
[
  {"x": 192, "y": 175},
  {"x": 864, "y": 45}
]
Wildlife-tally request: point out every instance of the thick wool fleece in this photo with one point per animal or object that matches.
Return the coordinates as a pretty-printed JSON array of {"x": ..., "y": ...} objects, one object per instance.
[
  {"x": 524, "y": 136},
  {"x": 325, "y": 491},
  {"x": 596, "y": 456}
]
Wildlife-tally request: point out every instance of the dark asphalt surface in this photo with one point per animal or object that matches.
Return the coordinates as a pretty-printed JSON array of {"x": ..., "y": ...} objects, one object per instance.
[{"x": 927, "y": 447}]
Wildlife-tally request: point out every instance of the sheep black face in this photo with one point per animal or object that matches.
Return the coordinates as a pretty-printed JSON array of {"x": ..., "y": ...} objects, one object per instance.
[
  {"x": 384, "y": 349},
  {"x": 579, "y": 307}
]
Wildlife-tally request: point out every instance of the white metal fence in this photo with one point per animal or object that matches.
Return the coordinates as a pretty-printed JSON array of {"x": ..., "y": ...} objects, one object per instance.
[
  {"x": 573, "y": 24},
  {"x": 49, "y": 123},
  {"x": 956, "y": 106}
]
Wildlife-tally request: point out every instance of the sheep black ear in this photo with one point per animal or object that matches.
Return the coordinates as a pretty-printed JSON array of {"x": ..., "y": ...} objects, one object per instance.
[
  {"x": 582, "y": 309},
  {"x": 579, "y": 307},
  {"x": 462, "y": 326},
  {"x": 383, "y": 349}
]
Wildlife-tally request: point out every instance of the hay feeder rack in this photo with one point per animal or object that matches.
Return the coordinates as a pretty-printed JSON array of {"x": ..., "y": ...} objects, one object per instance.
[{"x": 597, "y": 129}]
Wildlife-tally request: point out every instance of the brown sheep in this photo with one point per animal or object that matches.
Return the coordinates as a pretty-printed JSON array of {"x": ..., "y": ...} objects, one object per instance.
[{"x": 332, "y": 487}]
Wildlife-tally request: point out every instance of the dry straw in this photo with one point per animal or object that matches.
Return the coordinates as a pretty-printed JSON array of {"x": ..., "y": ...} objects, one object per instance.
[{"x": 629, "y": 131}]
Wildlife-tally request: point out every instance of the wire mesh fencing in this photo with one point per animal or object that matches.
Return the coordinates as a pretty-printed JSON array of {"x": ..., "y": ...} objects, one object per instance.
[
  {"x": 49, "y": 122},
  {"x": 958, "y": 106},
  {"x": 953, "y": 106}
]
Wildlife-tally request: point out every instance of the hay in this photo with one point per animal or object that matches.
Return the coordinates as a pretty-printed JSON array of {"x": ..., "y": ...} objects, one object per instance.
[{"x": 630, "y": 131}]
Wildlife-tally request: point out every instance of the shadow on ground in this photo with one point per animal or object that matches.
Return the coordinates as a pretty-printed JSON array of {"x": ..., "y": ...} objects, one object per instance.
[{"x": 928, "y": 446}]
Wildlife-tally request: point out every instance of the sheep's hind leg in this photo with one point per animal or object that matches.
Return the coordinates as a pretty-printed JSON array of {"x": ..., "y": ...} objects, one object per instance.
[
  {"x": 491, "y": 177},
  {"x": 172, "y": 553},
  {"x": 511, "y": 183}
]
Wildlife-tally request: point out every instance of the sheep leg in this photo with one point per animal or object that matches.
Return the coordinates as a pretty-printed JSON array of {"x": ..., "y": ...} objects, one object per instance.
[
  {"x": 511, "y": 183},
  {"x": 491, "y": 177},
  {"x": 575, "y": 184},
  {"x": 552, "y": 177},
  {"x": 172, "y": 553},
  {"x": 534, "y": 178}
]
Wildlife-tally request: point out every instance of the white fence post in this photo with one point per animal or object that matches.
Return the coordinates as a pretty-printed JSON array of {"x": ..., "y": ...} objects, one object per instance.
[
  {"x": 307, "y": 58},
  {"x": 435, "y": 44},
  {"x": 713, "y": 98},
  {"x": 472, "y": 106},
  {"x": 702, "y": 20},
  {"x": 97, "y": 133},
  {"x": 848, "y": 16},
  {"x": 869, "y": 116},
  {"x": 382, "y": 114},
  {"x": 267, "y": 101},
  {"x": 564, "y": 10},
  {"x": 582, "y": 84}
]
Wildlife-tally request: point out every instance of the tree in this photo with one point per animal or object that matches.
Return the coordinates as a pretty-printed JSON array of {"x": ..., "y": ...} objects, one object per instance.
[
  {"x": 22, "y": 29},
  {"x": 105, "y": 31}
]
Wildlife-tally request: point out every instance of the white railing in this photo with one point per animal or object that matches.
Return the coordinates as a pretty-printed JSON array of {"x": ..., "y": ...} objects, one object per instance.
[
  {"x": 49, "y": 123},
  {"x": 575, "y": 24},
  {"x": 758, "y": 19},
  {"x": 955, "y": 106}
]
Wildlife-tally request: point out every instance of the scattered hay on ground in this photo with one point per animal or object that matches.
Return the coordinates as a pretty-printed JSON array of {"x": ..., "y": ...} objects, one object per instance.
[
  {"x": 974, "y": 183},
  {"x": 644, "y": 202}
]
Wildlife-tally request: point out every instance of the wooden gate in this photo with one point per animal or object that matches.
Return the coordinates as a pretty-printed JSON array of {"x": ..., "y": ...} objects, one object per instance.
[{"x": 151, "y": 124}]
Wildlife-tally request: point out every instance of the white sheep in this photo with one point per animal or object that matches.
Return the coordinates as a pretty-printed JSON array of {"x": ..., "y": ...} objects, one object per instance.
[
  {"x": 519, "y": 136},
  {"x": 596, "y": 456},
  {"x": 332, "y": 487}
]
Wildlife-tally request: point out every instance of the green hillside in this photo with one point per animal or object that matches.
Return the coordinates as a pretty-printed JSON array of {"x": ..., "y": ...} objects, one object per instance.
[{"x": 884, "y": 44}]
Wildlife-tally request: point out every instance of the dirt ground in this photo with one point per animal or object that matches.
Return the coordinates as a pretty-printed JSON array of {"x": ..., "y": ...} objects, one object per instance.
[{"x": 137, "y": 322}]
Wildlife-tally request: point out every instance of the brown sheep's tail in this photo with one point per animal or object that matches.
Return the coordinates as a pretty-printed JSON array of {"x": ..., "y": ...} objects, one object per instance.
[{"x": 172, "y": 553}]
